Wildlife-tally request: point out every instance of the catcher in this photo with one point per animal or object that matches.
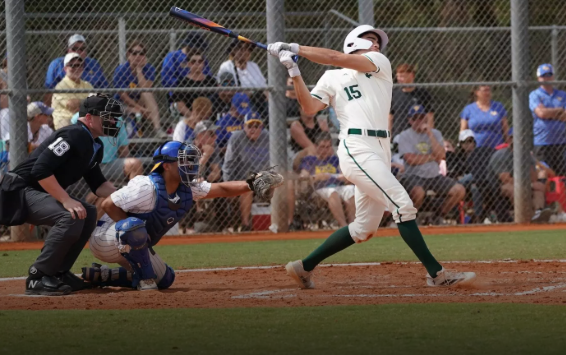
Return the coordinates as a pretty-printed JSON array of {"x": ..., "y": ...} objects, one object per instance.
[{"x": 139, "y": 214}]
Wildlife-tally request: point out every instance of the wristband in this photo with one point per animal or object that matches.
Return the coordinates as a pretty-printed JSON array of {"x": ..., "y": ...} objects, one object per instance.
[{"x": 294, "y": 71}]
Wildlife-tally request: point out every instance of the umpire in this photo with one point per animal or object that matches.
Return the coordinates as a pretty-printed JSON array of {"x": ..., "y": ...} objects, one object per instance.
[{"x": 36, "y": 188}]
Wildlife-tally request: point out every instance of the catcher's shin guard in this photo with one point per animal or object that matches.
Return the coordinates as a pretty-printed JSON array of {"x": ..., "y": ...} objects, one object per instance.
[{"x": 134, "y": 247}]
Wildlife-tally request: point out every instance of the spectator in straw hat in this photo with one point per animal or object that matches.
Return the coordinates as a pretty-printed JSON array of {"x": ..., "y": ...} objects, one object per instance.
[
  {"x": 548, "y": 106},
  {"x": 67, "y": 104},
  {"x": 92, "y": 72}
]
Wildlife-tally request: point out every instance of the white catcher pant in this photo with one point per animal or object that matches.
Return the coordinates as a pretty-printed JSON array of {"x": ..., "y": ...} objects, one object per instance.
[
  {"x": 104, "y": 247},
  {"x": 366, "y": 162}
]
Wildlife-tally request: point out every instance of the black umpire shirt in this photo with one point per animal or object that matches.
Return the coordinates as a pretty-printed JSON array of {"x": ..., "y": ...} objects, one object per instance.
[
  {"x": 69, "y": 153},
  {"x": 401, "y": 103}
]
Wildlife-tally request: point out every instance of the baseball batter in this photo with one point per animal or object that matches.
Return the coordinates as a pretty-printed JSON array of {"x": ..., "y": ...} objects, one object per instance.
[
  {"x": 360, "y": 93},
  {"x": 139, "y": 214}
]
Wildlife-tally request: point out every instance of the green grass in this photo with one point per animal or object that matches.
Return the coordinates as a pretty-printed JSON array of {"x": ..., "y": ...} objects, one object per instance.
[
  {"x": 386, "y": 329},
  {"x": 481, "y": 246}
]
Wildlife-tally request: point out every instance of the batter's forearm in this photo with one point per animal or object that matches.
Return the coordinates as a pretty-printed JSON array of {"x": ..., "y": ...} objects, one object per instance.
[
  {"x": 322, "y": 55},
  {"x": 309, "y": 104}
]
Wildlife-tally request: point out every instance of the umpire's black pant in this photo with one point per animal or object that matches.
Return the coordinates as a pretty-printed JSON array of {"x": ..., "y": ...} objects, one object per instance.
[{"x": 67, "y": 237}]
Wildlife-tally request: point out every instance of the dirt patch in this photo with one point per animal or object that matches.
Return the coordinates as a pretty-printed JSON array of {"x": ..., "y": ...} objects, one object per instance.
[
  {"x": 261, "y": 237},
  {"x": 498, "y": 282}
]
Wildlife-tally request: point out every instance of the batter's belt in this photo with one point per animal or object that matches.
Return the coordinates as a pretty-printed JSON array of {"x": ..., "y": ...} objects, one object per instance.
[{"x": 369, "y": 132}]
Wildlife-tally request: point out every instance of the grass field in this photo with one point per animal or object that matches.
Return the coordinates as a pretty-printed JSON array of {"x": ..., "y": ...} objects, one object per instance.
[{"x": 435, "y": 328}]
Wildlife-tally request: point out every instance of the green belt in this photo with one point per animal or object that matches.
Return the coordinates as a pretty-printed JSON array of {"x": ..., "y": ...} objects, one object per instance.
[{"x": 369, "y": 132}]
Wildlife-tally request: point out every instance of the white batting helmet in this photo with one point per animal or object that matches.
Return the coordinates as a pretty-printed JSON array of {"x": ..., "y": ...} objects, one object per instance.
[{"x": 353, "y": 42}]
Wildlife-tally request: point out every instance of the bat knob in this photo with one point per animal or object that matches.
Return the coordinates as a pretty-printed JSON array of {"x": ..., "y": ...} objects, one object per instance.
[{"x": 295, "y": 58}]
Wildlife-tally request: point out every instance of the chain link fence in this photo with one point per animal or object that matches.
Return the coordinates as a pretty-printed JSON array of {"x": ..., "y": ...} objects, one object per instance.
[{"x": 452, "y": 57}]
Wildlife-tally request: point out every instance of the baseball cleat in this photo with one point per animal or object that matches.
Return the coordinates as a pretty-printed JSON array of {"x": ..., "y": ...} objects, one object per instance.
[
  {"x": 450, "y": 278},
  {"x": 47, "y": 286},
  {"x": 147, "y": 285},
  {"x": 302, "y": 277}
]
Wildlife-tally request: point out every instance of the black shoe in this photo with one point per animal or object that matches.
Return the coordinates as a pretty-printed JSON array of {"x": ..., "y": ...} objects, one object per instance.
[
  {"x": 247, "y": 228},
  {"x": 76, "y": 283},
  {"x": 47, "y": 286}
]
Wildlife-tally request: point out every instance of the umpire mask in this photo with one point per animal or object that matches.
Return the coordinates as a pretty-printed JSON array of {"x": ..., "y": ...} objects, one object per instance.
[{"x": 108, "y": 109}]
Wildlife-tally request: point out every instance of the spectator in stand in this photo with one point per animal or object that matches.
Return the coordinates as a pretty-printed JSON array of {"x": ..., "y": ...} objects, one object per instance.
[
  {"x": 293, "y": 107},
  {"x": 194, "y": 78},
  {"x": 486, "y": 118},
  {"x": 422, "y": 149},
  {"x": 38, "y": 117},
  {"x": 247, "y": 151},
  {"x": 66, "y": 105},
  {"x": 247, "y": 73},
  {"x": 329, "y": 183},
  {"x": 138, "y": 73},
  {"x": 92, "y": 72},
  {"x": 205, "y": 140},
  {"x": 202, "y": 110},
  {"x": 501, "y": 166},
  {"x": 4, "y": 82},
  {"x": 406, "y": 97},
  {"x": 305, "y": 130},
  {"x": 222, "y": 100},
  {"x": 175, "y": 66},
  {"x": 548, "y": 106},
  {"x": 234, "y": 119}
]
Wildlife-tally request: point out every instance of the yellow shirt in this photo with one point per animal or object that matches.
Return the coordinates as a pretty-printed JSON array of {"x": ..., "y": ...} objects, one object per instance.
[{"x": 62, "y": 115}]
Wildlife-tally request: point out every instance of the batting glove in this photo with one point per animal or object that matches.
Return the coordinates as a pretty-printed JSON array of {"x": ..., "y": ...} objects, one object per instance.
[
  {"x": 275, "y": 48},
  {"x": 286, "y": 58}
]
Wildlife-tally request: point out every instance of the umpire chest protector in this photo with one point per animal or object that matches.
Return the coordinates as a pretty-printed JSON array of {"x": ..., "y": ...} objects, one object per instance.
[{"x": 167, "y": 210}]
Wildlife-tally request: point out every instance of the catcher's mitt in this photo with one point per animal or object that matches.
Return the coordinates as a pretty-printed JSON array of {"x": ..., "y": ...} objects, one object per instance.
[{"x": 264, "y": 182}]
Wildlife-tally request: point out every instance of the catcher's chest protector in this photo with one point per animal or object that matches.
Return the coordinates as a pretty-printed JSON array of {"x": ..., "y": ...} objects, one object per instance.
[{"x": 167, "y": 211}]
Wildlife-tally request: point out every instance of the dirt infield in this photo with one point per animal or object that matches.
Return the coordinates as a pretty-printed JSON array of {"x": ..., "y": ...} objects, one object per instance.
[
  {"x": 260, "y": 237},
  {"x": 542, "y": 282}
]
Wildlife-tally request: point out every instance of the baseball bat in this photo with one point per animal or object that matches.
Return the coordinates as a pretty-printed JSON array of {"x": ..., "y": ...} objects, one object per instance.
[{"x": 208, "y": 25}]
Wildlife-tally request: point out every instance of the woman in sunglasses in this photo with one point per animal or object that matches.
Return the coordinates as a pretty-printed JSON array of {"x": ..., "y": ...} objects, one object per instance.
[
  {"x": 138, "y": 73},
  {"x": 194, "y": 78}
]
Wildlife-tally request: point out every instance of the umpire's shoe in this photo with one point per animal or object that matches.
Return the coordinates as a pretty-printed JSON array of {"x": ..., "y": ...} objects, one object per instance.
[
  {"x": 46, "y": 286},
  {"x": 72, "y": 280}
]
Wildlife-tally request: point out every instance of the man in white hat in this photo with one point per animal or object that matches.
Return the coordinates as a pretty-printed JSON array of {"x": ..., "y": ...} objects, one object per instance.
[
  {"x": 67, "y": 104},
  {"x": 92, "y": 73},
  {"x": 360, "y": 93}
]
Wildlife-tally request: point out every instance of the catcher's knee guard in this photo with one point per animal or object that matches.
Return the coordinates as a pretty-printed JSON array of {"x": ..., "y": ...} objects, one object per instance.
[
  {"x": 134, "y": 239},
  {"x": 167, "y": 279}
]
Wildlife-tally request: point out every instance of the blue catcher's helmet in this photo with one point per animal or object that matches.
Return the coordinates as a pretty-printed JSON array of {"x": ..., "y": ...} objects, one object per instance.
[{"x": 186, "y": 155}]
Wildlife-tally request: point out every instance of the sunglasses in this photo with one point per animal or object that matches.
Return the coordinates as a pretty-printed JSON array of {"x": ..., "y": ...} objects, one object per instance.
[
  {"x": 78, "y": 49},
  {"x": 137, "y": 52},
  {"x": 75, "y": 65},
  {"x": 547, "y": 75},
  {"x": 196, "y": 61},
  {"x": 256, "y": 126},
  {"x": 469, "y": 140},
  {"x": 228, "y": 83}
]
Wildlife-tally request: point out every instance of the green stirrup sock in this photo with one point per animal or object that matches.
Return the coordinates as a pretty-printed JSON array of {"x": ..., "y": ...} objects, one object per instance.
[
  {"x": 339, "y": 240},
  {"x": 412, "y": 236}
]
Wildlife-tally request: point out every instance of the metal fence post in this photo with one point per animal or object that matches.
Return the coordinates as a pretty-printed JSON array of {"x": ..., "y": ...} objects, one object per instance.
[
  {"x": 172, "y": 41},
  {"x": 522, "y": 122},
  {"x": 122, "y": 39},
  {"x": 17, "y": 72},
  {"x": 277, "y": 77},
  {"x": 554, "y": 50},
  {"x": 365, "y": 12}
]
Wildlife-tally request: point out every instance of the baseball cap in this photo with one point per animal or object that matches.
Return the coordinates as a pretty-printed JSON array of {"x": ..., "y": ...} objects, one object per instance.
[
  {"x": 253, "y": 117},
  {"x": 417, "y": 110},
  {"x": 74, "y": 39},
  {"x": 465, "y": 134},
  {"x": 226, "y": 79},
  {"x": 545, "y": 69},
  {"x": 38, "y": 108},
  {"x": 71, "y": 56},
  {"x": 195, "y": 40},
  {"x": 242, "y": 103},
  {"x": 204, "y": 126}
]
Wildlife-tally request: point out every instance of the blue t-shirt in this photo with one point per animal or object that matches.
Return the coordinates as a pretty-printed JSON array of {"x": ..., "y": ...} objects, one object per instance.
[
  {"x": 227, "y": 124},
  {"x": 124, "y": 78},
  {"x": 549, "y": 131},
  {"x": 92, "y": 73},
  {"x": 175, "y": 68},
  {"x": 110, "y": 150},
  {"x": 329, "y": 165},
  {"x": 486, "y": 125}
]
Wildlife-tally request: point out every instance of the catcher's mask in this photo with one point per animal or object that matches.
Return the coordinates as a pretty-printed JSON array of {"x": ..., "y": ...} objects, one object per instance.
[
  {"x": 186, "y": 155},
  {"x": 109, "y": 110}
]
